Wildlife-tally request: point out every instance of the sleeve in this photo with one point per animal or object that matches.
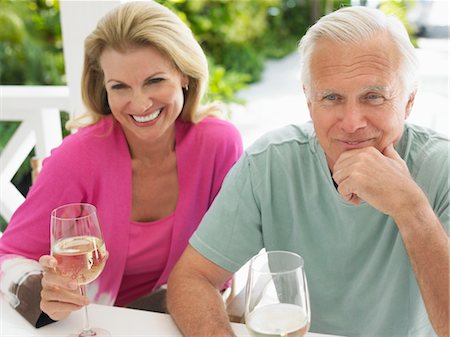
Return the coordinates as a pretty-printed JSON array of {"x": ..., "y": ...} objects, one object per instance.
[
  {"x": 230, "y": 232},
  {"x": 27, "y": 236},
  {"x": 434, "y": 178},
  {"x": 20, "y": 284}
]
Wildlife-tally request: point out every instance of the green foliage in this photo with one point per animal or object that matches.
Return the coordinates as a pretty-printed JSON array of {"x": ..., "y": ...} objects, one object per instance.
[
  {"x": 240, "y": 35},
  {"x": 400, "y": 8},
  {"x": 30, "y": 43},
  {"x": 3, "y": 224},
  {"x": 7, "y": 129},
  {"x": 224, "y": 84},
  {"x": 21, "y": 177}
]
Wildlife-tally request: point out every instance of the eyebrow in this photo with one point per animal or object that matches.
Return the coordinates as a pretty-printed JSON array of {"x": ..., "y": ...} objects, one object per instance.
[
  {"x": 145, "y": 79},
  {"x": 324, "y": 93},
  {"x": 380, "y": 88}
]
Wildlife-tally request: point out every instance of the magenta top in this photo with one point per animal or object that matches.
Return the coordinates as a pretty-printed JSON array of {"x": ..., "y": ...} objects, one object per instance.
[
  {"x": 94, "y": 166},
  {"x": 147, "y": 258}
]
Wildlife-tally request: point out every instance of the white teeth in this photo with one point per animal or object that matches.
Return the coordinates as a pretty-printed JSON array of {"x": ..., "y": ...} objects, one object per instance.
[{"x": 148, "y": 118}]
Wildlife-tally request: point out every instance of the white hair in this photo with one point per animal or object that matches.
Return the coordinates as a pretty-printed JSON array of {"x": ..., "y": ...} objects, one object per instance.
[{"x": 357, "y": 24}]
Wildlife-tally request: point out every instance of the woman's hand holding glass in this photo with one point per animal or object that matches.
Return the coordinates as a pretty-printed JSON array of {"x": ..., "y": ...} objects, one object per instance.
[
  {"x": 78, "y": 257},
  {"x": 60, "y": 294}
]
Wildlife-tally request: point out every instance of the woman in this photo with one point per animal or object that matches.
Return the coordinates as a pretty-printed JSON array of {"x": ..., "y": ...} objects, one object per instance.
[{"x": 146, "y": 155}]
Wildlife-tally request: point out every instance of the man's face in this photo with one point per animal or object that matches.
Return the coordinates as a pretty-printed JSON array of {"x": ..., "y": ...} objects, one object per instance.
[{"x": 356, "y": 97}]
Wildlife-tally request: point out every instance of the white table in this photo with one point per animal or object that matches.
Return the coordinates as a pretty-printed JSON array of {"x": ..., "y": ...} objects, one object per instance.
[{"x": 121, "y": 322}]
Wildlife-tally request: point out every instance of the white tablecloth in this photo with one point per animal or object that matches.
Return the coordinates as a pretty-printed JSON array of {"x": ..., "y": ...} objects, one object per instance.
[{"x": 120, "y": 322}]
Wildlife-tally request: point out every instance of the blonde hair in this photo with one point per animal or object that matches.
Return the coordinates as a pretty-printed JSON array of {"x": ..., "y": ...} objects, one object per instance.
[
  {"x": 142, "y": 24},
  {"x": 355, "y": 25}
]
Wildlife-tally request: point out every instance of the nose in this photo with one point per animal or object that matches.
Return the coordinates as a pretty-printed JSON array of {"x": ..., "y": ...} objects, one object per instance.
[
  {"x": 140, "y": 102},
  {"x": 352, "y": 118}
]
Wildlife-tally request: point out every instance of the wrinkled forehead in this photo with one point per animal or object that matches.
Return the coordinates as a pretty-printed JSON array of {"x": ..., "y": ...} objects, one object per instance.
[
  {"x": 380, "y": 48},
  {"x": 379, "y": 56}
]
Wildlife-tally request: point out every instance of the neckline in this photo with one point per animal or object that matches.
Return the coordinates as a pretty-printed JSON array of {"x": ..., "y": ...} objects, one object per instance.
[{"x": 154, "y": 222}]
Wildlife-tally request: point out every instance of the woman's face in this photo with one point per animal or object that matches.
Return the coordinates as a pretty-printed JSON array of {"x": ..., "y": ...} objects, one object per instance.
[{"x": 144, "y": 91}]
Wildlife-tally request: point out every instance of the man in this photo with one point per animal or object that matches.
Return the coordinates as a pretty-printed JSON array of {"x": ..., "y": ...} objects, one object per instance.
[{"x": 359, "y": 193}]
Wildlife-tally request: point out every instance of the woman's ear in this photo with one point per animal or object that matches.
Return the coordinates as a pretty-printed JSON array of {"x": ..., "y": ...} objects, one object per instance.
[{"x": 185, "y": 82}]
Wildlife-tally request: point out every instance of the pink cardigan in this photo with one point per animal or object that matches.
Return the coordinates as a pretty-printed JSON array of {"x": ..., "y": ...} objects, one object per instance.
[{"x": 94, "y": 166}]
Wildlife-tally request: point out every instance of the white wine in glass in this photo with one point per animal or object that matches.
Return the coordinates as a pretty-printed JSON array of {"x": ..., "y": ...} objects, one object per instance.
[
  {"x": 78, "y": 246},
  {"x": 277, "y": 300}
]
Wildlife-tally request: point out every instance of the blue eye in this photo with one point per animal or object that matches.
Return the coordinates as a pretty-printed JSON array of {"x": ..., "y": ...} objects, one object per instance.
[
  {"x": 374, "y": 99},
  {"x": 331, "y": 97}
]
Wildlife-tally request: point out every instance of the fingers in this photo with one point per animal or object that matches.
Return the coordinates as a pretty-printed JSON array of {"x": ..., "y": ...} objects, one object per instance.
[
  {"x": 51, "y": 279},
  {"x": 348, "y": 194},
  {"x": 390, "y": 152},
  {"x": 352, "y": 171},
  {"x": 347, "y": 163},
  {"x": 58, "y": 310},
  {"x": 381, "y": 179},
  {"x": 47, "y": 262},
  {"x": 58, "y": 301},
  {"x": 59, "y": 295},
  {"x": 56, "y": 294},
  {"x": 51, "y": 276}
]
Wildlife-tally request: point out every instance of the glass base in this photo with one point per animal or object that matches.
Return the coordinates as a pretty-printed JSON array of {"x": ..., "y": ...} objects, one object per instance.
[{"x": 97, "y": 332}]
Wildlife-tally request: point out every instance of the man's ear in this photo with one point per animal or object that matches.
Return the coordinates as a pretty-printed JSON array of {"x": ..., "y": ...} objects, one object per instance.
[{"x": 410, "y": 103}]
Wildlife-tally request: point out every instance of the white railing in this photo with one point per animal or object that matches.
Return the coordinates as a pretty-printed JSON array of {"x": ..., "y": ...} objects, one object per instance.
[{"x": 37, "y": 108}]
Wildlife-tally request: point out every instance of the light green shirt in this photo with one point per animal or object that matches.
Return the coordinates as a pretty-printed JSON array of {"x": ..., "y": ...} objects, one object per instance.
[{"x": 280, "y": 195}]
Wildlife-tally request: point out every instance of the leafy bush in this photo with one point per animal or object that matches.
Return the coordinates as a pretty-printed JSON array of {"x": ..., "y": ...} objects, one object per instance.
[
  {"x": 240, "y": 35},
  {"x": 30, "y": 43},
  {"x": 400, "y": 8}
]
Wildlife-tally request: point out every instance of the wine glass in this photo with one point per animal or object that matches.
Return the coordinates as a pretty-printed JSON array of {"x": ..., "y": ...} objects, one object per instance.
[
  {"x": 277, "y": 300},
  {"x": 78, "y": 246}
]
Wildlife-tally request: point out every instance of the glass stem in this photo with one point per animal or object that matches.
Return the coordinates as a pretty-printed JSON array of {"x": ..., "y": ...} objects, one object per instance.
[{"x": 87, "y": 331}]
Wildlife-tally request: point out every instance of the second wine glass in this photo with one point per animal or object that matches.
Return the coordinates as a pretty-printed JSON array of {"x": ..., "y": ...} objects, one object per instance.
[
  {"x": 277, "y": 300},
  {"x": 77, "y": 244}
]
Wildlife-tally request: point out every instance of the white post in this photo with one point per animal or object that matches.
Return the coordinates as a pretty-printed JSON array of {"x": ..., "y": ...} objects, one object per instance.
[
  {"x": 47, "y": 119},
  {"x": 78, "y": 19}
]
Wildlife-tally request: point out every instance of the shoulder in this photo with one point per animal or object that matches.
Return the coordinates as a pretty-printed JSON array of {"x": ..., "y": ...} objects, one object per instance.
[
  {"x": 423, "y": 134},
  {"x": 210, "y": 131},
  {"x": 88, "y": 139},
  {"x": 88, "y": 146},
  {"x": 426, "y": 152},
  {"x": 287, "y": 138},
  {"x": 216, "y": 127},
  {"x": 421, "y": 143}
]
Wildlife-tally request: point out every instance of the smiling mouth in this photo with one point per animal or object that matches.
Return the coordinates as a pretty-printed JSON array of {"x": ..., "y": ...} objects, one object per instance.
[
  {"x": 147, "y": 118},
  {"x": 356, "y": 142}
]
